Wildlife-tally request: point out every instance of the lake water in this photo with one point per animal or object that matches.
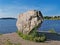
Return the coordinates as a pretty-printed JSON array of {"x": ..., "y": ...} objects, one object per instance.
[
  {"x": 50, "y": 25},
  {"x": 9, "y": 25}
]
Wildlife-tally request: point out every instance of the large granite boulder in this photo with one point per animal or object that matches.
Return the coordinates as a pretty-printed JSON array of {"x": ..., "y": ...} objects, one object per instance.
[{"x": 28, "y": 20}]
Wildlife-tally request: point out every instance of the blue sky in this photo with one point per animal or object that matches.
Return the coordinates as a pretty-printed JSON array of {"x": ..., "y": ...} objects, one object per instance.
[{"x": 12, "y": 8}]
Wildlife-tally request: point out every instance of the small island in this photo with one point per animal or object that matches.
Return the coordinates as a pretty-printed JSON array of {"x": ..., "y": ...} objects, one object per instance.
[{"x": 8, "y": 18}]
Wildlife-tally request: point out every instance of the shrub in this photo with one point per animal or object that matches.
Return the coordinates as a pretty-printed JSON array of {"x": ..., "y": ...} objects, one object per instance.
[
  {"x": 35, "y": 39},
  {"x": 52, "y": 31},
  {"x": 30, "y": 37},
  {"x": 33, "y": 36},
  {"x": 20, "y": 34},
  {"x": 42, "y": 38},
  {"x": 26, "y": 37}
]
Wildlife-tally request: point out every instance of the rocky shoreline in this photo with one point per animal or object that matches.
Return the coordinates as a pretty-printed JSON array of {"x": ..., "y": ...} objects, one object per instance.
[{"x": 14, "y": 39}]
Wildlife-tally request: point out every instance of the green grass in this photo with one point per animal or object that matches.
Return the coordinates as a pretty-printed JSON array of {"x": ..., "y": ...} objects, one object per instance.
[
  {"x": 52, "y": 31},
  {"x": 1, "y": 34},
  {"x": 33, "y": 36}
]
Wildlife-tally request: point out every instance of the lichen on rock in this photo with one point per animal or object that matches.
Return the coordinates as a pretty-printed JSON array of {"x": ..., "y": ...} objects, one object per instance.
[{"x": 28, "y": 20}]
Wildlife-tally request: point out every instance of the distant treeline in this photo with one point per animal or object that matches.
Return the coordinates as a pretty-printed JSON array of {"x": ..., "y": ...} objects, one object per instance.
[
  {"x": 8, "y": 18},
  {"x": 52, "y": 17}
]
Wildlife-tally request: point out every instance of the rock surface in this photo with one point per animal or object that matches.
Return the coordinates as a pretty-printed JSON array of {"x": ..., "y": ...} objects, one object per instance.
[
  {"x": 15, "y": 39},
  {"x": 28, "y": 20}
]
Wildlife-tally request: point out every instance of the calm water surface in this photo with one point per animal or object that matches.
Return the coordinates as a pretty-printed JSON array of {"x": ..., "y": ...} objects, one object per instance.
[
  {"x": 50, "y": 24},
  {"x": 9, "y": 25}
]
